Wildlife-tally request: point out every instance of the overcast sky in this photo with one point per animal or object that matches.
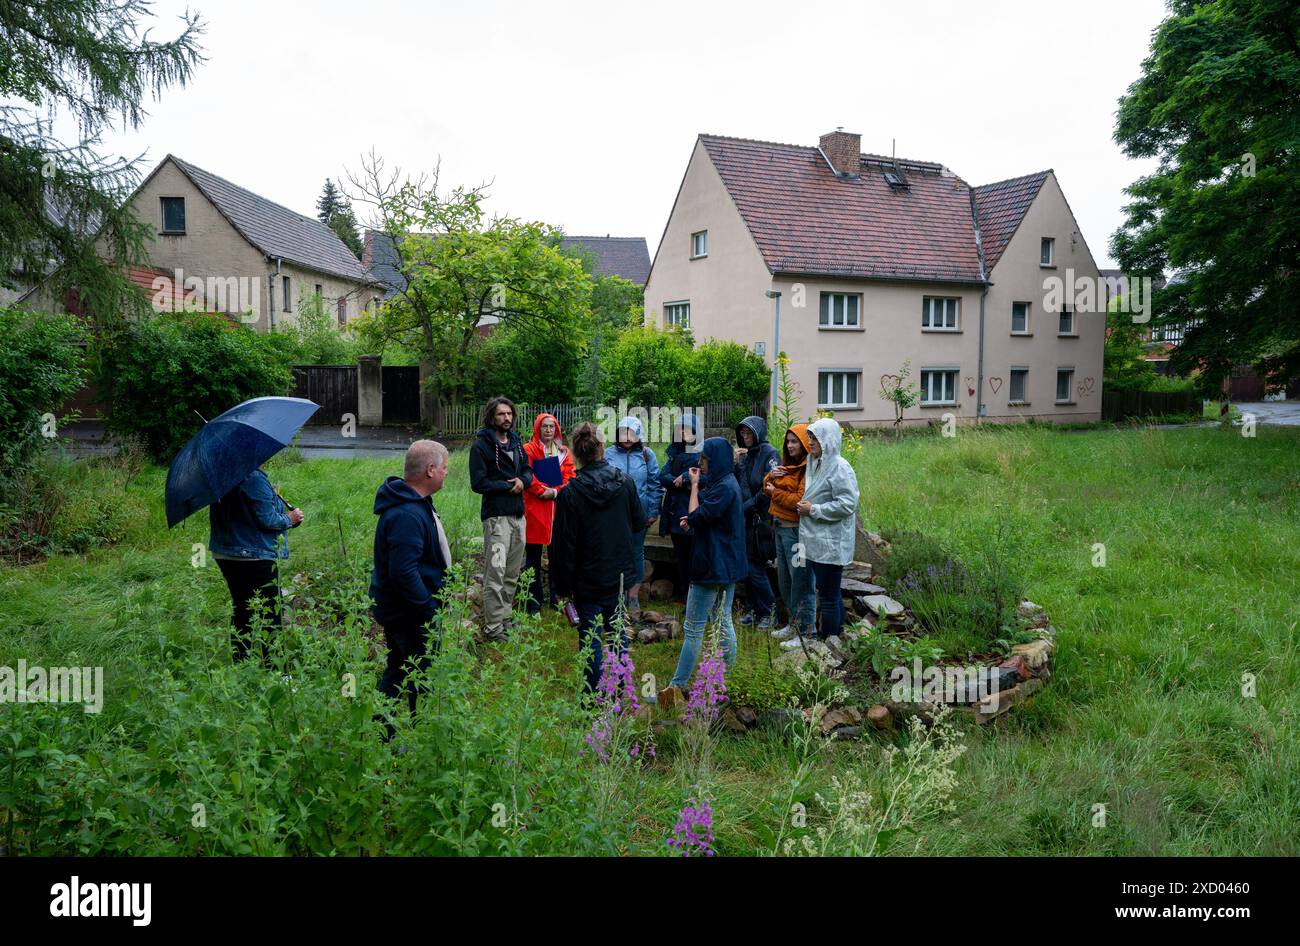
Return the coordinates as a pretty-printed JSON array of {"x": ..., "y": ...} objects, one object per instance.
[{"x": 583, "y": 114}]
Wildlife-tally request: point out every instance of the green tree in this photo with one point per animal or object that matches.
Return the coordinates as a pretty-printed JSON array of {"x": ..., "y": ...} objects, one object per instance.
[
  {"x": 168, "y": 370},
  {"x": 334, "y": 209},
  {"x": 315, "y": 338},
  {"x": 530, "y": 366},
  {"x": 648, "y": 367},
  {"x": 459, "y": 268},
  {"x": 40, "y": 367},
  {"x": 727, "y": 371},
  {"x": 1123, "y": 364},
  {"x": 616, "y": 304},
  {"x": 63, "y": 204},
  {"x": 1217, "y": 104}
]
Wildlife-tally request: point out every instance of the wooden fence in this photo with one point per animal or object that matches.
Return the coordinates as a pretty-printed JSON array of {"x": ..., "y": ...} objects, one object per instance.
[
  {"x": 333, "y": 387},
  {"x": 1117, "y": 405}
]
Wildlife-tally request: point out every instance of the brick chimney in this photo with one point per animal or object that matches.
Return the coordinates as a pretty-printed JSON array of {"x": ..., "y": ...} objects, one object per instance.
[{"x": 843, "y": 150}]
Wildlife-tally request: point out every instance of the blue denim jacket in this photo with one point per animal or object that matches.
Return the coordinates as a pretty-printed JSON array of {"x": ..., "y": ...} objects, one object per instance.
[{"x": 249, "y": 521}]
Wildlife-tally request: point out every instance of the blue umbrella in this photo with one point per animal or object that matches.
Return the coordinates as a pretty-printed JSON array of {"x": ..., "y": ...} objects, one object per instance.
[{"x": 227, "y": 448}]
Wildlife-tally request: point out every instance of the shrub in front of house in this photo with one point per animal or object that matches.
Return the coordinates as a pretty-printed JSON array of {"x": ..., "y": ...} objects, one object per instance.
[
  {"x": 40, "y": 367},
  {"x": 160, "y": 374}
]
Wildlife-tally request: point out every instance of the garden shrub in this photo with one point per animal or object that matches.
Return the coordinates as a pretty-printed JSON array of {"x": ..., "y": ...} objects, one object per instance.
[
  {"x": 40, "y": 367},
  {"x": 160, "y": 374},
  {"x": 966, "y": 609}
]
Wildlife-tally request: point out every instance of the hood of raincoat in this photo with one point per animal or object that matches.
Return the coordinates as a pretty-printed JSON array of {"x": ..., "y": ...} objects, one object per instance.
[
  {"x": 537, "y": 429},
  {"x": 692, "y": 423},
  {"x": 758, "y": 427},
  {"x": 395, "y": 491},
  {"x": 632, "y": 424},
  {"x": 598, "y": 483},
  {"x": 828, "y": 434},
  {"x": 801, "y": 432},
  {"x": 718, "y": 452}
]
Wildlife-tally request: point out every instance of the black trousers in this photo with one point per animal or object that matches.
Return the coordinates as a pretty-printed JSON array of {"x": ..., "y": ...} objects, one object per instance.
[
  {"x": 408, "y": 646},
  {"x": 254, "y": 585},
  {"x": 537, "y": 590},
  {"x": 682, "y": 546}
]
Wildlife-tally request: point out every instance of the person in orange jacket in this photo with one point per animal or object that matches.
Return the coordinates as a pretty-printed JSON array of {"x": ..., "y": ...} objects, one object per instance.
[
  {"x": 539, "y": 502},
  {"x": 784, "y": 487}
]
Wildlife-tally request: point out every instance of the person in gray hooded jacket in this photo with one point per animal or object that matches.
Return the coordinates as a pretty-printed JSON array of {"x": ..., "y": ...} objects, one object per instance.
[{"x": 827, "y": 523}]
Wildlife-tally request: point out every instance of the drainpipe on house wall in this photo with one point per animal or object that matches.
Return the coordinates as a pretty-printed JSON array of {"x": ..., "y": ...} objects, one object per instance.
[
  {"x": 984, "y": 291},
  {"x": 979, "y": 397},
  {"x": 271, "y": 281}
]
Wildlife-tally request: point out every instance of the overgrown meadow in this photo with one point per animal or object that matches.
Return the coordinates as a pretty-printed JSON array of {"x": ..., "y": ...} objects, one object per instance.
[{"x": 1168, "y": 560}]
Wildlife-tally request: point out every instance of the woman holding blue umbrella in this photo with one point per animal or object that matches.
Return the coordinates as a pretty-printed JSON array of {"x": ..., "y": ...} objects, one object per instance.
[
  {"x": 220, "y": 468},
  {"x": 247, "y": 539}
]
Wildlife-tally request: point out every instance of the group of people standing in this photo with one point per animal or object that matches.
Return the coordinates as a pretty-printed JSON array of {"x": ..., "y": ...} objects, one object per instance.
[{"x": 730, "y": 512}]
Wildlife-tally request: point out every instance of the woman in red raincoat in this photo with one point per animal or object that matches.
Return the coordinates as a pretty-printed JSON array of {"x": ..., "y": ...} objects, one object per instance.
[{"x": 539, "y": 501}]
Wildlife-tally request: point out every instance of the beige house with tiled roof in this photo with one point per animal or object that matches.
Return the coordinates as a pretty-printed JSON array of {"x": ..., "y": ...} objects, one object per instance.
[
  {"x": 880, "y": 261},
  {"x": 255, "y": 259}
]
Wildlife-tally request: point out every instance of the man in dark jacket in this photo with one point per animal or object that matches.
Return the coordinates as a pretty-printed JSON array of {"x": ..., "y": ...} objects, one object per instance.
[
  {"x": 755, "y": 458},
  {"x": 717, "y": 555},
  {"x": 411, "y": 555},
  {"x": 592, "y": 555},
  {"x": 499, "y": 471}
]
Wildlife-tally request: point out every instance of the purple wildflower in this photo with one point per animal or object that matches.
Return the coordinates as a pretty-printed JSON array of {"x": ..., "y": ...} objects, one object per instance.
[
  {"x": 693, "y": 833},
  {"x": 598, "y": 739},
  {"x": 617, "y": 685},
  {"x": 709, "y": 690}
]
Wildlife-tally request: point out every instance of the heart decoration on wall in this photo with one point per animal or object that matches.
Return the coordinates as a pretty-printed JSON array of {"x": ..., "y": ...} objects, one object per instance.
[
  {"x": 970, "y": 386},
  {"x": 889, "y": 382},
  {"x": 1086, "y": 386},
  {"x": 995, "y": 384}
]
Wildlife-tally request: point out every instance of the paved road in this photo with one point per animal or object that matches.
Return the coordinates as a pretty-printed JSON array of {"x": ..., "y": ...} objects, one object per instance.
[
  {"x": 1275, "y": 413},
  {"x": 88, "y": 439}
]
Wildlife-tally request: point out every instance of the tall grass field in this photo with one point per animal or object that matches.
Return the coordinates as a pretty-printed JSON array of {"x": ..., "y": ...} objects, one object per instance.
[{"x": 1168, "y": 560}]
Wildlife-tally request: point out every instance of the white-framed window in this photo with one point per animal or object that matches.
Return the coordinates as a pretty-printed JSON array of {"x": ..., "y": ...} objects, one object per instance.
[
  {"x": 1064, "y": 385},
  {"x": 1047, "y": 252},
  {"x": 677, "y": 313},
  {"x": 699, "y": 244},
  {"x": 1019, "y": 385},
  {"x": 1066, "y": 323},
  {"x": 1020, "y": 318},
  {"x": 838, "y": 388},
  {"x": 939, "y": 313},
  {"x": 841, "y": 310},
  {"x": 939, "y": 386}
]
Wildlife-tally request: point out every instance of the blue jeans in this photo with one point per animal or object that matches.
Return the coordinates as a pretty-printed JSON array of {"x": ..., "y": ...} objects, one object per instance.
[
  {"x": 703, "y": 602},
  {"x": 590, "y": 635},
  {"x": 798, "y": 587},
  {"x": 830, "y": 597},
  {"x": 638, "y": 557}
]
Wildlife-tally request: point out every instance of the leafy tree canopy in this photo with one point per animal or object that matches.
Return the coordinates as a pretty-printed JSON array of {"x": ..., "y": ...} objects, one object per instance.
[
  {"x": 62, "y": 204},
  {"x": 1218, "y": 103}
]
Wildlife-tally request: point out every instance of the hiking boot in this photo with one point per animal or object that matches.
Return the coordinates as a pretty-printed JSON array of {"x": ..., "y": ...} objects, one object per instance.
[
  {"x": 746, "y": 619},
  {"x": 795, "y": 643},
  {"x": 765, "y": 624},
  {"x": 785, "y": 633}
]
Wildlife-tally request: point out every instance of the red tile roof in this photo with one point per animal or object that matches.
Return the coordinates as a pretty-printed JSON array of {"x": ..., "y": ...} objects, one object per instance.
[
  {"x": 1001, "y": 206},
  {"x": 807, "y": 220}
]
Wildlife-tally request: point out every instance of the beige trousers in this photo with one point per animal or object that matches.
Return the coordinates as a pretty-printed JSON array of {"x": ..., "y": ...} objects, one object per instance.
[{"x": 503, "y": 560}]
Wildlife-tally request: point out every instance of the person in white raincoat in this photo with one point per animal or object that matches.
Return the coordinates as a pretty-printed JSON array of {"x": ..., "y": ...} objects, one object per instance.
[{"x": 828, "y": 517}]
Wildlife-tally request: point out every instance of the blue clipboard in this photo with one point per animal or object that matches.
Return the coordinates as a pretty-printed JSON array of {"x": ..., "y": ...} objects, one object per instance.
[{"x": 547, "y": 470}]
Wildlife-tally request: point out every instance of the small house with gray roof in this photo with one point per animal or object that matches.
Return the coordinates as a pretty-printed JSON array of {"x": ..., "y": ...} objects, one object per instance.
[{"x": 237, "y": 252}]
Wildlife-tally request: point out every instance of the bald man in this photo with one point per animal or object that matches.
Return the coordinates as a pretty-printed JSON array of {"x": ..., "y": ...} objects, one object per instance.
[{"x": 411, "y": 555}]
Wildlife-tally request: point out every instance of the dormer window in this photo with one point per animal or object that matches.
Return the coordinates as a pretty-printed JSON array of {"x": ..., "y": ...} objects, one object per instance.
[
  {"x": 700, "y": 244},
  {"x": 896, "y": 181}
]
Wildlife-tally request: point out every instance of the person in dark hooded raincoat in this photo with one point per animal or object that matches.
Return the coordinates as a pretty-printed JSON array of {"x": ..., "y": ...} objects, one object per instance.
[
  {"x": 598, "y": 515},
  {"x": 718, "y": 558},
  {"x": 683, "y": 453},
  {"x": 755, "y": 458}
]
